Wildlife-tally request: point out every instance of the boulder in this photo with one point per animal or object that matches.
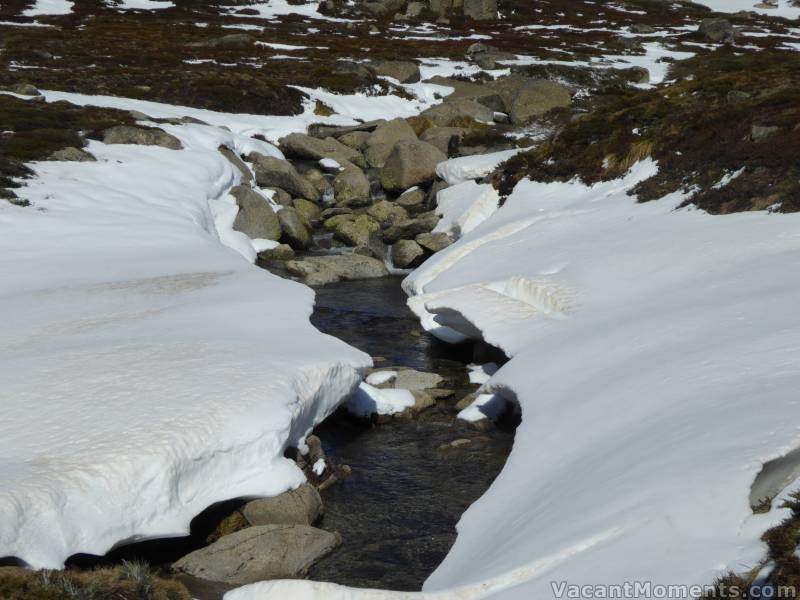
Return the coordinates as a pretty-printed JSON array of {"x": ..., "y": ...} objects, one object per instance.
[
  {"x": 316, "y": 178},
  {"x": 72, "y": 154},
  {"x": 299, "y": 145},
  {"x": 355, "y": 139},
  {"x": 351, "y": 184},
  {"x": 321, "y": 270},
  {"x": 480, "y": 10},
  {"x": 717, "y": 30},
  {"x": 296, "y": 229},
  {"x": 301, "y": 506},
  {"x": 410, "y": 163},
  {"x": 274, "y": 172},
  {"x": 352, "y": 230},
  {"x": 446, "y": 139},
  {"x": 407, "y": 254},
  {"x": 255, "y": 218},
  {"x": 381, "y": 141},
  {"x": 25, "y": 89},
  {"x": 280, "y": 252},
  {"x": 260, "y": 553},
  {"x": 280, "y": 196},
  {"x": 232, "y": 40},
  {"x": 413, "y": 200},
  {"x": 459, "y": 111},
  {"x": 307, "y": 208},
  {"x": 403, "y": 71},
  {"x": 434, "y": 242},
  {"x": 387, "y": 213},
  {"x": 536, "y": 98},
  {"x": 233, "y": 158},
  {"x": 141, "y": 136},
  {"x": 382, "y": 8},
  {"x": 410, "y": 229}
]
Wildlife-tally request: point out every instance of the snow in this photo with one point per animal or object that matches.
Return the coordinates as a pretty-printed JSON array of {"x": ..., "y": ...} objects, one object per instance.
[
  {"x": 485, "y": 406},
  {"x": 148, "y": 370},
  {"x": 369, "y": 400},
  {"x": 49, "y": 7},
  {"x": 380, "y": 377},
  {"x": 464, "y": 168},
  {"x": 144, "y": 4},
  {"x": 785, "y": 8},
  {"x": 330, "y": 164},
  {"x": 654, "y": 356},
  {"x": 319, "y": 467},
  {"x": 281, "y": 8},
  {"x": 480, "y": 374},
  {"x": 464, "y": 206}
]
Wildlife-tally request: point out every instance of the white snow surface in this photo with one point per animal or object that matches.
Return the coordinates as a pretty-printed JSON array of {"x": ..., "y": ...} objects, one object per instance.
[
  {"x": 785, "y": 8},
  {"x": 654, "y": 355},
  {"x": 369, "y": 400},
  {"x": 147, "y": 371},
  {"x": 464, "y": 168},
  {"x": 49, "y": 7},
  {"x": 144, "y": 4},
  {"x": 464, "y": 206}
]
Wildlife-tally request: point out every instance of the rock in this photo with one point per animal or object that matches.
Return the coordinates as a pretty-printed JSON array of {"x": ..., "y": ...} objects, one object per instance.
[
  {"x": 382, "y": 8},
  {"x": 411, "y": 228},
  {"x": 274, "y": 172},
  {"x": 374, "y": 247},
  {"x": 460, "y": 443},
  {"x": 307, "y": 208},
  {"x": 412, "y": 200},
  {"x": 434, "y": 242},
  {"x": 260, "y": 553},
  {"x": 72, "y": 154},
  {"x": 404, "y": 71},
  {"x": 641, "y": 28},
  {"x": 381, "y": 141},
  {"x": 362, "y": 74},
  {"x": 320, "y": 270},
  {"x": 410, "y": 163},
  {"x": 735, "y": 96},
  {"x": 536, "y": 98},
  {"x": 299, "y": 145},
  {"x": 446, "y": 139},
  {"x": 717, "y": 30},
  {"x": 355, "y": 139},
  {"x": 316, "y": 178},
  {"x": 232, "y": 40},
  {"x": 255, "y": 218},
  {"x": 301, "y": 506},
  {"x": 141, "y": 136},
  {"x": 352, "y": 230},
  {"x": 26, "y": 89},
  {"x": 407, "y": 254},
  {"x": 281, "y": 252},
  {"x": 414, "y": 10},
  {"x": 233, "y": 158},
  {"x": 321, "y": 130},
  {"x": 762, "y": 132},
  {"x": 334, "y": 212},
  {"x": 387, "y": 213},
  {"x": 480, "y": 10},
  {"x": 466, "y": 401},
  {"x": 459, "y": 111},
  {"x": 315, "y": 450},
  {"x": 410, "y": 379},
  {"x": 280, "y": 196},
  {"x": 351, "y": 184},
  {"x": 296, "y": 229}
]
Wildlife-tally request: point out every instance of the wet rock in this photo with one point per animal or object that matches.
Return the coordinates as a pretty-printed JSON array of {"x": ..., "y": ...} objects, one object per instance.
[
  {"x": 255, "y": 218},
  {"x": 536, "y": 98},
  {"x": 410, "y": 163},
  {"x": 321, "y": 270},
  {"x": 141, "y": 136},
  {"x": 233, "y": 158},
  {"x": 404, "y": 71},
  {"x": 351, "y": 184},
  {"x": 411, "y": 228},
  {"x": 381, "y": 141},
  {"x": 413, "y": 200},
  {"x": 434, "y": 242},
  {"x": 296, "y": 229},
  {"x": 446, "y": 139},
  {"x": 299, "y": 145},
  {"x": 717, "y": 30},
  {"x": 352, "y": 230},
  {"x": 260, "y": 553},
  {"x": 459, "y": 111},
  {"x": 281, "y": 252},
  {"x": 407, "y": 254},
  {"x": 72, "y": 154},
  {"x": 301, "y": 506},
  {"x": 274, "y": 172},
  {"x": 307, "y": 208},
  {"x": 387, "y": 213}
]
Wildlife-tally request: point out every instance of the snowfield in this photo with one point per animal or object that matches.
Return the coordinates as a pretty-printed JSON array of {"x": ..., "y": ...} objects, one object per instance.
[
  {"x": 654, "y": 355},
  {"x": 147, "y": 370}
]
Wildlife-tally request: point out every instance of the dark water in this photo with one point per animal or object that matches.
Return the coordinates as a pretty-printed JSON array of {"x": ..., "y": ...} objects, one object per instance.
[{"x": 398, "y": 510}]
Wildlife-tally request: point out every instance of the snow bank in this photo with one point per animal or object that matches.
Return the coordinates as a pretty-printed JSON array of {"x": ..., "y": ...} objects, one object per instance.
[
  {"x": 654, "y": 357},
  {"x": 464, "y": 206},
  {"x": 143, "y": 4},
  {"x": 146, "y": 370},
  {"x": 464, "y": 168},
  {"x": 369, "y": 400},
  {"x": 49, "y": 7},
  {"x": 784, "y": 9}
]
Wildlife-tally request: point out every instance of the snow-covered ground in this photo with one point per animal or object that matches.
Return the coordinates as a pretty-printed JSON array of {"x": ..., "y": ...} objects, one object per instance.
[
  {"x": 49, "y": 7},
  {"x": 654, "y": 354},
  {"x": 784, "y": 9}
]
